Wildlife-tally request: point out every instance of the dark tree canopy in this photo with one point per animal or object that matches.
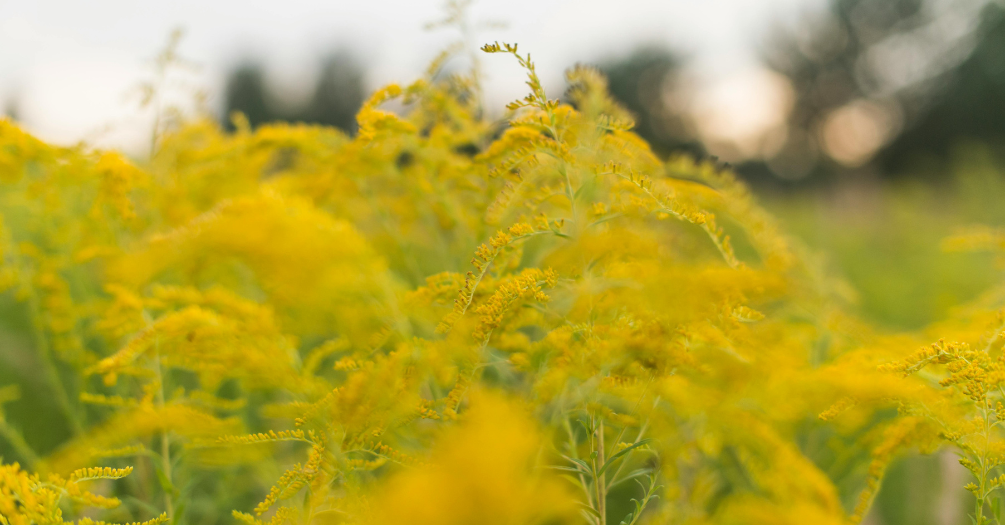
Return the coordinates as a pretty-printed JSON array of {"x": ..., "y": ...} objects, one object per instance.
[
  {"x": 968, "y": 104},
  {"x": 897, "y": 55},
  {"x": 246, "y": 93},
  {"x": 335, "y": 100},
  {"x": 643, "y": 82}
]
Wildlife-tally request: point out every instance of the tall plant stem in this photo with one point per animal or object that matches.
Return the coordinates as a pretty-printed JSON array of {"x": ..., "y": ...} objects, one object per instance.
[
  {"x": 49, "y": 365},
  {"x": 165, "y": 439},
  {"x": 601, "y": 480}
]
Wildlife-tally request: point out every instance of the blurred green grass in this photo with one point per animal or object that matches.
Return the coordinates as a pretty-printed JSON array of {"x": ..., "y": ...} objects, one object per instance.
[{"x": 883, "y": 238}]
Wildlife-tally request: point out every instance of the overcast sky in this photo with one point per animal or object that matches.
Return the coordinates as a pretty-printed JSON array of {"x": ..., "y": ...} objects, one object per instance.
[{"x": 70, "y": 63}]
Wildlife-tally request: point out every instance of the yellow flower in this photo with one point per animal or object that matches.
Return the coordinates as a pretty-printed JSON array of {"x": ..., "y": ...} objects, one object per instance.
[{"x": 484, "y": 471}]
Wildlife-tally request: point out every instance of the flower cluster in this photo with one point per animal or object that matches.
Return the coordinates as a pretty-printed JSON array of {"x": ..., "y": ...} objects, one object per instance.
[{"x": 289, "y": 315}]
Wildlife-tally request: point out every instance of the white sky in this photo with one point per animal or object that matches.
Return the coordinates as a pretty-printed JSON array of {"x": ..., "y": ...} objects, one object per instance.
[{"x": 70, "y": 63}]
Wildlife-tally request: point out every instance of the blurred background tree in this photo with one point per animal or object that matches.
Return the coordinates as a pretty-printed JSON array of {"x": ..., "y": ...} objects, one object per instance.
[
  {"x": 246, "y": 93},
  {"x": 335, "y": 100},
  {"x": 965, "y": 104},
  {"x": 10, "y": 109},
  {"x": 646, "y": 83},
  {"x": 880, "y": 89},
  {"x": 879, "y": 84}
]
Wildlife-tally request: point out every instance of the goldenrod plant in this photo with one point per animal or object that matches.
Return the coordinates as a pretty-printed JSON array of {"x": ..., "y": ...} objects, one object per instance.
[{"x": 448, "y": 319}]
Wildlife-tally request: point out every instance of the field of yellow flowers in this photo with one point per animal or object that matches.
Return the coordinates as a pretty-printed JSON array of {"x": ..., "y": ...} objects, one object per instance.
[{"x": 450, "y": 320}]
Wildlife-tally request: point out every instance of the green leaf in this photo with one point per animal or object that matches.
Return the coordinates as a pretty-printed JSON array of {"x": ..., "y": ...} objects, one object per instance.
[
  {"x": 141, "y": 504},
  {"x": 571, "y": 479},
  {"x": 587, "y": 469},
  {"x": 567, "y": 469},
  {"x": 165, "y": 483},
  {"x": 589, "y": 509},
  {"x": 179, "y": 511},
  {"x": 621, "y": 454},
  {"x": 631, "y": 475}
]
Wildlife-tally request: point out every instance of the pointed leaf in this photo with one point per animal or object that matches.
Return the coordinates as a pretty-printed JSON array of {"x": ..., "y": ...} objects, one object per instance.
[
  {"x": 631, "y": 475},
  {"x": 567, "y": 469},
  {"x": 619, "y": 455},
  {"x": 587, "y": 469},
  {"x": 589, "y": 509}
]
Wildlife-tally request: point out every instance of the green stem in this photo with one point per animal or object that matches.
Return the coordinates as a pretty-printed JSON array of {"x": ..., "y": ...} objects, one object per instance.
[
  {"x": 979, "y": 504},
  {"x": 49, "y": 369},
  {"x": 601, "y": 483},
  {"x": 571, "y": 195},
  {"x": 20, "y": 446},
  {"x": 574, "y": 454},
  {"x": 165, "y": 437}
]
